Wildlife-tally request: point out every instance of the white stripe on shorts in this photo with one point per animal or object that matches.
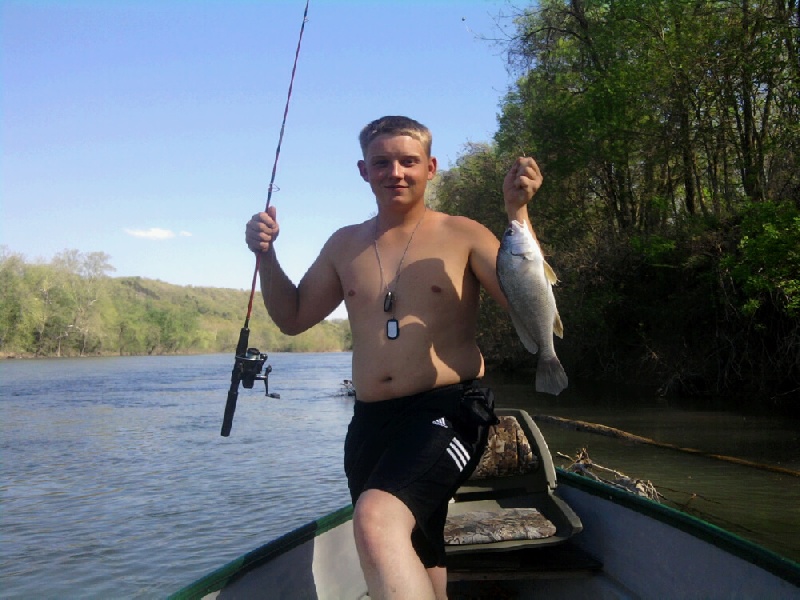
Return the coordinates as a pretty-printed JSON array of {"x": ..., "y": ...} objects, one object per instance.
[
  {"x": 456, "y": 459},
  {"x": 459, "y": 447},
  {"x": 458, "y": 453}
]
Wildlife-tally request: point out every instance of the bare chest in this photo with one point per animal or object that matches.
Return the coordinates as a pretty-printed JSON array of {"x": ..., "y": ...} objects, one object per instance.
[{"x": 429, "y": 278}]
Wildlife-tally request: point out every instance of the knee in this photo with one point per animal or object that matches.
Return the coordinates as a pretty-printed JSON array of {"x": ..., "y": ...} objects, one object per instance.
[
  {"x": 368, "y": 523},
  {"x": 379, "y": 518}
]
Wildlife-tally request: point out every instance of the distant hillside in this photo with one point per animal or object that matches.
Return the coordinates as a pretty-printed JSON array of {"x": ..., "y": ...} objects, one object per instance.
[{"x": 71, "y": 307}]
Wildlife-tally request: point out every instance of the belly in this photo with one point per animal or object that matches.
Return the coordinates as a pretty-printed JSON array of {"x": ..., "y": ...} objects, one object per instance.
[{"x": 393, "y": 369}]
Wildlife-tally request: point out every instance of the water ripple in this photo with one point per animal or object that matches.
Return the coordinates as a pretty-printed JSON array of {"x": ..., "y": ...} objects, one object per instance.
[{"x": 117, "y": 483}]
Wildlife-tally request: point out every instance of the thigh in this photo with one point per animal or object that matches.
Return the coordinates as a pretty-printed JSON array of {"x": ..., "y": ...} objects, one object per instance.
[{"x": 423, "y": 467}]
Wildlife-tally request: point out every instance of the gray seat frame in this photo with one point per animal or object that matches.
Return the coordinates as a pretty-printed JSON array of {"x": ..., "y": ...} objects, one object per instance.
[{"x": 535, "y": 489}]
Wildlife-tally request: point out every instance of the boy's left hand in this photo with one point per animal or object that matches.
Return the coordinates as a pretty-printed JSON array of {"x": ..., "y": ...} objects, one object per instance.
[{"x": 522, "y": 181}]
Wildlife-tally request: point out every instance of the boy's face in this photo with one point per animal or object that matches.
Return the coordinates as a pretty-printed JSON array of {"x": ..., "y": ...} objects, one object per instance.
[{"x": 397, "y": 169}]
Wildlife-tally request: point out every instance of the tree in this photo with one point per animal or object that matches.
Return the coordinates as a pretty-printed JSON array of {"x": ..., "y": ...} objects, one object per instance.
[
  {"x": 83, "y": 276},
  {"x": 658, "y": 126},
  {"x": 16, "y": 327}
]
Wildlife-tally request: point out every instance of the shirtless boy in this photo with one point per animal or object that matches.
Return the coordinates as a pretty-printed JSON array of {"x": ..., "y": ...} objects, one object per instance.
[{"x": 410, "y": 279}]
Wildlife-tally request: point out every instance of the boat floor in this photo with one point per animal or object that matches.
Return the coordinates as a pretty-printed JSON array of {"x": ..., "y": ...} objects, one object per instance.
[{"x": 497, "y": 574}]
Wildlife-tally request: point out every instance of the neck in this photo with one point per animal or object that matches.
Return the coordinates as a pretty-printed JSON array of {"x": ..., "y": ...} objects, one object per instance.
[{"x": 391, "y": 219}]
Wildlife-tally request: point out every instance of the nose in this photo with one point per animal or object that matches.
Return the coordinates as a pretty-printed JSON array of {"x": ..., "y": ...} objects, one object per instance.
[{"x": 397, "y": 169}]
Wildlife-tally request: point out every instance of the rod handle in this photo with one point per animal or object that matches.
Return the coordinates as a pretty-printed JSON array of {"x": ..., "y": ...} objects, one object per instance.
[{"x": 230, "y": 408}]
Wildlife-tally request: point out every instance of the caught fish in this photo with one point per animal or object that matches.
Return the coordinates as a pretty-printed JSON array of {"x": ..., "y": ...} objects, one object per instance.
[{"x": 527, "y": 281}]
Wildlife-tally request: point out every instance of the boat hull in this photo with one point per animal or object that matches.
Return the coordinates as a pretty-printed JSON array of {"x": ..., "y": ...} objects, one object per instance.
[
  {"x": 647, "y": 550},
  {"x": 316, "y": 561},
  {"x": 652, "y": 551}
]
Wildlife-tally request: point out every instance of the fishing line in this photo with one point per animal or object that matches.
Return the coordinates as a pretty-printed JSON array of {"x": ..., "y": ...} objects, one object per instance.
[
  {"x": 249, "y": 361},
  {"x": 271, "y": 186}
]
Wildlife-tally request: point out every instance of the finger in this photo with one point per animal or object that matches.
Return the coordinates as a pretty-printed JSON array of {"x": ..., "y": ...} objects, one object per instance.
[
  {"x": 259, "y": 235},
  {"x": 532, "y": 171},
  {"x": 526, "y": 162},
  {"x": 251, "y": 231},
  {"x": 534, "y": 168},
  {"x": 525, "y": 178},
  {"x": 520, "y": 169}
]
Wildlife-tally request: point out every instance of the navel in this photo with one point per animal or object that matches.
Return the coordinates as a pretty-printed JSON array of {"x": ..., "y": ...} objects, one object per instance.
[
  {"x": 351, "y": 293},
  {"x": 436, "y": 289}
]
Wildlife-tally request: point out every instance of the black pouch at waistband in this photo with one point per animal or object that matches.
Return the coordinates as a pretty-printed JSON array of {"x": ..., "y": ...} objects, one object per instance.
[{"x": 477, "y": 406}]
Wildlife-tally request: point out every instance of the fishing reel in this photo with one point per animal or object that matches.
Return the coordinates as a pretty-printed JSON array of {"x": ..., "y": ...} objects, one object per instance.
[{"x": 247, "y": 367}]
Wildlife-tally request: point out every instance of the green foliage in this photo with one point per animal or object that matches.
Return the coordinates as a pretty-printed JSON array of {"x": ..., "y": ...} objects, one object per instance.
[
  {"x": 654, "y": 249},
  {"x": 668, "y": 136},
  {"x": 655, "y": 111},
  {"x": 766, "y": 265},
  {"x": 474, "y": 187},
  {"x": 71, "y": 307}
]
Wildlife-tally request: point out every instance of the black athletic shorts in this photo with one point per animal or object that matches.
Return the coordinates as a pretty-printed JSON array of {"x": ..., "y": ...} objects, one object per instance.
[{"x": 419, "y": 448}]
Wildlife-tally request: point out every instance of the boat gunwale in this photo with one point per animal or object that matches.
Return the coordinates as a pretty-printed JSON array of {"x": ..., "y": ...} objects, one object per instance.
[
  {"x": 219, "y": 578},
  {"x": 743, "y": 548}
]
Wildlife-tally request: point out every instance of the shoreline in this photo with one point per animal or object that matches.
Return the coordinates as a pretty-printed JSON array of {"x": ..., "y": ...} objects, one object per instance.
[{"x": 25, "y": 356}]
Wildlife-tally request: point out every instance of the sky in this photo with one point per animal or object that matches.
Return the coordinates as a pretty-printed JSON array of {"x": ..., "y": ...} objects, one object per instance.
[{"x": 147, "y": 129}]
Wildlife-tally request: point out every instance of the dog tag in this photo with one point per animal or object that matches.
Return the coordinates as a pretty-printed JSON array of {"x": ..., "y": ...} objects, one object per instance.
[
  {"x": 388, "y": 301},
  {"x": 392, "y": 329}
]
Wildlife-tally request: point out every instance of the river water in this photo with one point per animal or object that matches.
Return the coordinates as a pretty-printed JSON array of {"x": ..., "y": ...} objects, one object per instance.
[{"x": 115, "y": 482}]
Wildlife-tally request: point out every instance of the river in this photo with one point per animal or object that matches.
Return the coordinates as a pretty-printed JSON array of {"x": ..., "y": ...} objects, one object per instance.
[{"x": 115, "y": 481}]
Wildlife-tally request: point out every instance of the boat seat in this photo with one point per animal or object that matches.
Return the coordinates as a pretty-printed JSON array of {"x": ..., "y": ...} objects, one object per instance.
[{"x": 509, "y": 503}]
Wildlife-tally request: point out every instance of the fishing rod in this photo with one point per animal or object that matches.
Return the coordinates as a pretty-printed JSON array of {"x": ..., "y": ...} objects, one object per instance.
[{"x": 248, "y": 362}]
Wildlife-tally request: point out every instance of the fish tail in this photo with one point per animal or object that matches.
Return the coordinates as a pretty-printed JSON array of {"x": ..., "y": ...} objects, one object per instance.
[{"x": 550, "y": 376}]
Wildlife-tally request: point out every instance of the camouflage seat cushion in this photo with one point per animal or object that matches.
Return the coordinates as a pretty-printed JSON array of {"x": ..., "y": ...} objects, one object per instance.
[
  {"x": 485, "y": 527},
  {"x": 507, "y": 453}
]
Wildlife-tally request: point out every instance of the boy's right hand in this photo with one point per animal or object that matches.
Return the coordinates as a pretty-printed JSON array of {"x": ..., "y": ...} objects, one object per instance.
[{"x": 262, "y": 229}]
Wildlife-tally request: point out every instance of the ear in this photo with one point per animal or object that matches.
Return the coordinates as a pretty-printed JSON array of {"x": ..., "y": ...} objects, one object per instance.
[
  {"x": 362, "y": 169},
  {"x": 432, "y": 165}
]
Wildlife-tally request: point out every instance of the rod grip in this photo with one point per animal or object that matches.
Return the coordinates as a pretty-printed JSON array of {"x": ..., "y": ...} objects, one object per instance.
[
  {"x": 236, "y": 378},
  {"x": 230, "y": 409}
]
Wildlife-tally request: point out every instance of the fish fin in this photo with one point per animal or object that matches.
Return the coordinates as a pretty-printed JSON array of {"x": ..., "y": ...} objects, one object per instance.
[
  {"x": 558, "y": 326},
  {"x": 550, "y": 274},
  {"x": 526, "y": 339},
  {"x": 550, "y": 376}
]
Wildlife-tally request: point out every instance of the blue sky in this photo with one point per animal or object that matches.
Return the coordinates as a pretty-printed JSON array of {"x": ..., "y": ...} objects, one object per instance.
[{"x": 147, "y": 129}]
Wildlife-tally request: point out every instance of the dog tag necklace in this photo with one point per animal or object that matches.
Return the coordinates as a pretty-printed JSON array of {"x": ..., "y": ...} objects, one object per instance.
[{"x": 390, "y": 300}]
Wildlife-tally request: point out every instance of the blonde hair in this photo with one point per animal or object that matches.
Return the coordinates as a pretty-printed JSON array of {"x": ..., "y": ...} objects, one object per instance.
[{"x": 395, "y": 125}]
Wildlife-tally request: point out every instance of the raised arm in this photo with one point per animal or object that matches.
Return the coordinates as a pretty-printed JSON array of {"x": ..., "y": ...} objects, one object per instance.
[
  {"x": 522, "y": 181},
  {"x": 293, "y": 308}
]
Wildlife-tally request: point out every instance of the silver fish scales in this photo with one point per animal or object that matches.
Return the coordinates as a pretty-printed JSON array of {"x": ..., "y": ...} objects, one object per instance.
[{"x": 527, "y": 281}]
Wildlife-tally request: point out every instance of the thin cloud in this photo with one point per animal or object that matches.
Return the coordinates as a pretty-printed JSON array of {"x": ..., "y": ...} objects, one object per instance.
[{"x": 155, "y": 233}]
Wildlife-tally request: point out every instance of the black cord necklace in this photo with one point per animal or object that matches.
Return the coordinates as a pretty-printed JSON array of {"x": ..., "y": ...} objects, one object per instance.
[{"x": 390, "y": 299}]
